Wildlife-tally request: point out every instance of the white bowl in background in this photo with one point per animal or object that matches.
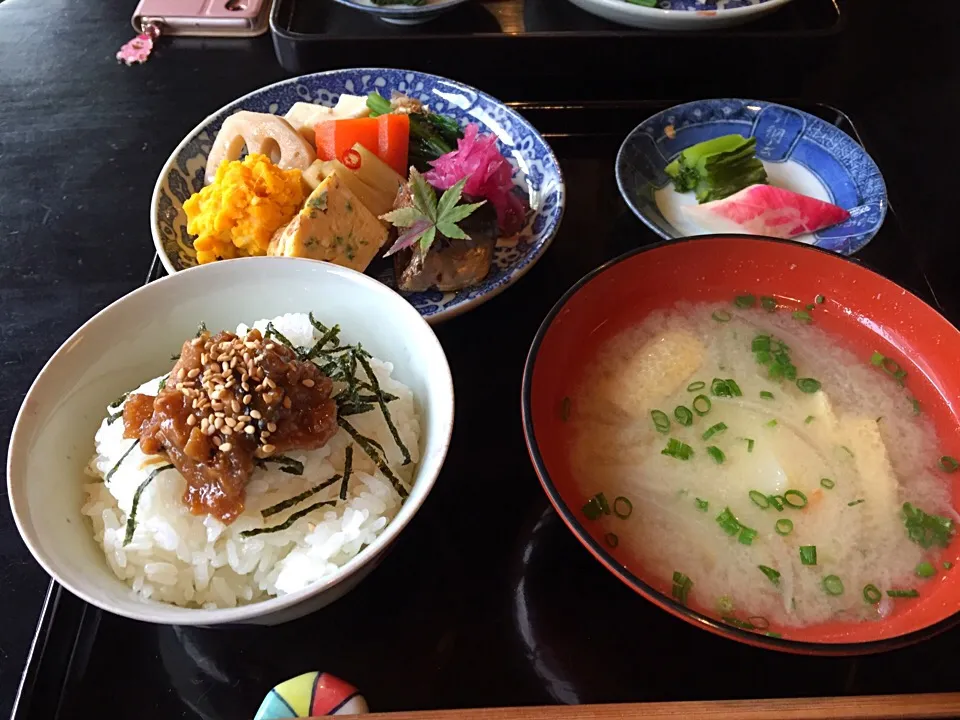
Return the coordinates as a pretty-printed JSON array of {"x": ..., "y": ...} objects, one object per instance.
[
  {"x": 131, "y": 341},
  {"x": 680, "y": 15}
]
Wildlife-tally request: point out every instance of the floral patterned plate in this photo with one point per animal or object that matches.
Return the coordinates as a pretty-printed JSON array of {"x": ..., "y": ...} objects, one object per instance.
[
  {"x": 681, "y": 14},
  {"x": 537, "y": 172}
]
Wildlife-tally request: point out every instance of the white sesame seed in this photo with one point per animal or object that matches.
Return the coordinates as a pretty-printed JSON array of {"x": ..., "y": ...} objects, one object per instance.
[
  {"x": 307, "y": 382},
  {"x": 235, "y": 405},
  {"x": 230, "y": 422},
  {"x": 204, "y": 358},
  {"x": 226, "y": 447},
  {"x": 268, "y": 449},
  {"x": 191, "y": 420},
  {"x": 287, "y": 402},
  {"x": 181, "y": 373},
  {"x": 272, "y": 427},
  {"x": 269, "y": 383},
  {"x": 255, "y": 414},
  {"x": 249, "y": 429},
  {"x": 216, "y": 441},
  {"x": 243, "y": 418},
  {"x": 218, "y": 423},
  {"x": 247, "y": 399},
  {"x": 270, "y": 346},
  {"x": 226, "y": 430},
  {"x": 193, "y": 373}
]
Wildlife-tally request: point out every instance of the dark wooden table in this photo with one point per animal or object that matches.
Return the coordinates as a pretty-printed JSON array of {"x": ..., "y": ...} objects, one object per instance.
[{"x": 82, "y": 140}]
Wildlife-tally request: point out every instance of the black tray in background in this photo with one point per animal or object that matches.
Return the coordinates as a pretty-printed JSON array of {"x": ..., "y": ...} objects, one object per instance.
[
  {"x": 559, "y": 44},
  {"x": 478, "y": 605}
]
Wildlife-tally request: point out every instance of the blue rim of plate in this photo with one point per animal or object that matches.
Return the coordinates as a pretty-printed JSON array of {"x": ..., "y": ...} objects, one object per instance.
[
  {"x": 842, "y": 165},
  {"x": 404, "y": 11},
  {"x": 519, "y": 141}
]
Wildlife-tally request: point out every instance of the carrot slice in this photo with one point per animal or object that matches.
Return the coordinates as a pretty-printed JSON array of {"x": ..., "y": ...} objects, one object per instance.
[
  {"x": 394, "y": 141},
  {"x": 336, "y": 137}
]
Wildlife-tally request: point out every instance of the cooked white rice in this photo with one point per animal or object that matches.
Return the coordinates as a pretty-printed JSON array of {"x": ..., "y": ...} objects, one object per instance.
[{"x": 196, "y": 560}]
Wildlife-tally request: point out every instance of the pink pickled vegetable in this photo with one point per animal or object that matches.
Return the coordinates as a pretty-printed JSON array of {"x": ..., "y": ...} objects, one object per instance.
[
  {"x": 489, "y": 176},
  {"x": 766, "y": 210}
]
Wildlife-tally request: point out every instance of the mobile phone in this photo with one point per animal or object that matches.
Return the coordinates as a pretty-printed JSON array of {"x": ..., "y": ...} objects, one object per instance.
[{"x": 218, "y": 18}]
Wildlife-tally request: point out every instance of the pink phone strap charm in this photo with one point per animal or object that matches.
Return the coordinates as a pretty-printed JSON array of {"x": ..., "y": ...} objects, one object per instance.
[{"x": 138, "y": 49}]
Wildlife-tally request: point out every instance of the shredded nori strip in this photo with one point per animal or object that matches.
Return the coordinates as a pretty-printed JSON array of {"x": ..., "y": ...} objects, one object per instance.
[
  {"x": 119, "y": 401},
  {"x": 347, "y": 469},
  {"x": 276, "y": 334},
  {"x": 174, "y": 358},
  {"x": 163, "y": 381},
  {"x": 106, "y": 478},
  {"x": 112, "y": 418},
  {"x": 383, "y": 408},
  {"x": 290, "y": 466},
  {"x": 368, "y": 445},
  {"x": 349, "y": 409},
  {"x": 385, "y": 396},
  {"x": 201, "y": 329},
  {"x": 289, "y": 521},
  {"x": 329, "y": 335},
  {"x": 132, "y": 518},
  {"x": 297, "y": 499}
]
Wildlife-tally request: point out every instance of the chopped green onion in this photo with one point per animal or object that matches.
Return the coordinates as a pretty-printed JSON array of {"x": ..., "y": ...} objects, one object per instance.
[
  {"x": 926, "y": 570},
  {"x": 747, "y": 536},
  {"x": 766, "y": 395},
  {"x": 784, "y": 526},
  {"x": 855, "y": 502},
  {"x": 797, "y": 494},
  {"x": 716, "y": 453},
  {"x": 916, "y": 405},
  {"x": 725, "y": 605},
  {"x": 827, "y": 483},
  {"x": 681, "y": 586},
  {"x": 949, "y": 464},
  {"x": 565, "y": 409},
  {"x": 808, "y": 554},
  {"x": 742, "y": 624},
  {"x": 722, "y": 316},
  {"x": 622, "y": 507},
  {"x": 749, "y": 444},
  {"x": 871, "y": 595},
  {"x": 776, "y": 501},
  {"x": 702, "y": 505},
  {"x": 734, "y": 388},
  {"x": 677, "y": 449},
  {"x": 660, "y": 421},
  {"x": 832, "y": 585},
  {"x": 877, "y": 358},
  {"x": 903, "y": 593},
  {"x": 773, "y": 635},
  {"x": 683, "y": 416},
  {"x": 810, "y": 419},
  {"x": 771, "y": 423},
  {"x": 701, "y": 405},
  {"x": 596, "y": 506},
  {"x": 820, "y": 299},
  {"x": 761, "y": 343},
  {"x": 810, "y": 306},
  {"x": 714, "y": 430},
  {"x": 772, "y": 575},
  {"x": 802, "y": 316},
  {"x": 611, "y": 539},
  {"x": 768, "y": 303},
  {"x": 728, "y": 522},
  {"x": 808, "y": 385},
  {"x": 745, "y": 301},
  {"x": 694, "y": 386},
  {"x": 947, "y": 564},
  {"x": 927, "y": 530},
  {"x": 759, "y": 499}
]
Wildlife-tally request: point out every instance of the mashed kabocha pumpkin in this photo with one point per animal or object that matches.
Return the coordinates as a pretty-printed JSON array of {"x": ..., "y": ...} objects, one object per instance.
[{"x": 238, "y": 213}]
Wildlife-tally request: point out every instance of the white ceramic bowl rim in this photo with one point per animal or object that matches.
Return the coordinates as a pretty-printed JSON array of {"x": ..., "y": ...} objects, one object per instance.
[
  {"x": 402, "y": 10},
  {"x": 164, "y": 613}
]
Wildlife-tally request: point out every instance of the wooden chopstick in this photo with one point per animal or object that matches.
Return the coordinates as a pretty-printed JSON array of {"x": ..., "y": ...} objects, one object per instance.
[{"x": 872, "y": 707}]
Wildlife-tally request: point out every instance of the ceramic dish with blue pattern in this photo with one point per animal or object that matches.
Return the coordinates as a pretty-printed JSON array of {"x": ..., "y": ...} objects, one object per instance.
[
  {"x": 401, "y": 14},
  {"x": 800, "y": 152},
  {"x": 680, "y": 14},
  {"x": 537, "y": 173}
]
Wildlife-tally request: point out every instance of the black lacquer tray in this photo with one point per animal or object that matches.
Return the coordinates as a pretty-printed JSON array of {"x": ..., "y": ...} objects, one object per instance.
[
  {"x": 487, "y": 600},
  {"x": 561, "y": 46}
]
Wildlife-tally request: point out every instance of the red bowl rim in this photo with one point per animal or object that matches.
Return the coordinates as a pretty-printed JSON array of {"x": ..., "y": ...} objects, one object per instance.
[{"x": 624, "y": 574}]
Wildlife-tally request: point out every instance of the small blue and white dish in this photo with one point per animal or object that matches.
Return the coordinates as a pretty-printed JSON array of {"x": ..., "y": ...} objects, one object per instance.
[
  {"x": 801, "y": 153},
  {"x": 403, "y": 14},
  {"x": 538, "y": 171}
]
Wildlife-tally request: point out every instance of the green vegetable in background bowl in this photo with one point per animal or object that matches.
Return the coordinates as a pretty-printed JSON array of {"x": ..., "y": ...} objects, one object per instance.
[{"x": 717, "y": 168}]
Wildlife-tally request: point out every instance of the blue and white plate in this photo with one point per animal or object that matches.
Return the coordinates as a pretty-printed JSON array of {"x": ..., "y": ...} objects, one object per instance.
[
  {"x": 801, "y": 153},
  {"x": 681, "y": 14},
  {"x": 404, "y": 14},
  {"x": 538, "y": 171}
]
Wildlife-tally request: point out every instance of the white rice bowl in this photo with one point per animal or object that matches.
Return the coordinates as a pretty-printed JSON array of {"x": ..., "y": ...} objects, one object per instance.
[{"x": 196, "y": 560}]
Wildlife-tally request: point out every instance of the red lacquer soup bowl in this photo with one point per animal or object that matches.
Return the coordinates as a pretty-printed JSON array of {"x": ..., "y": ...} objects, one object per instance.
[{"x": 862, "y": 311}]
